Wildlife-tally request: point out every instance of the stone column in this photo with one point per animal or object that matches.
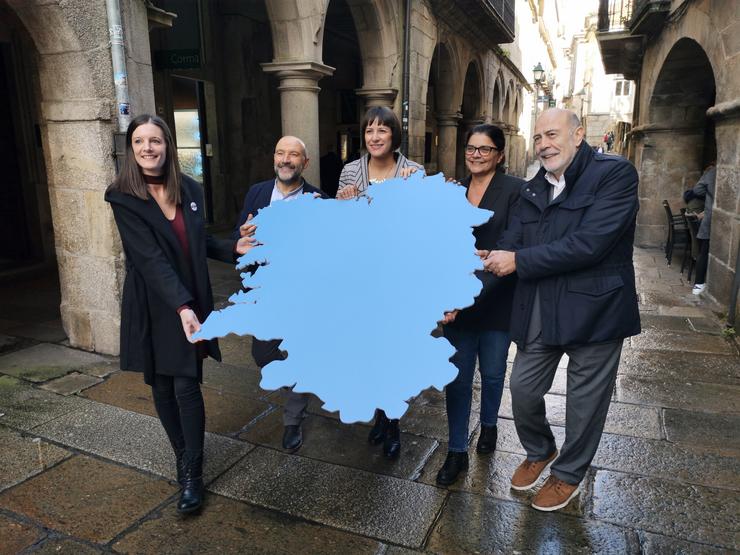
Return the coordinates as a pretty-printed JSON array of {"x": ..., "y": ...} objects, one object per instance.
[
  {"x": 299, "y": 105},
  {"x": 447, "y": 148},
  {"x": 377, "y": 96}
]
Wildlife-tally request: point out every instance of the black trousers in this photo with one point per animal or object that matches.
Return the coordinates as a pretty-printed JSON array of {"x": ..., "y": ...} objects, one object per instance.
[
  {"x": 179, "y": 404},
  {"x": 702, "y": 261}
]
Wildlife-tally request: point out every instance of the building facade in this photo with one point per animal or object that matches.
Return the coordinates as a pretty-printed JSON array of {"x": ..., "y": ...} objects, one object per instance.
[
  {"x": 230, "y": 77},
  {"x": 685, "y": 59}
]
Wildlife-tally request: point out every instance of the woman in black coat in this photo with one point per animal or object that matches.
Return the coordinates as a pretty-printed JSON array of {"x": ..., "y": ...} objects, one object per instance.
[
  {"x": 167, "y": 292},
  {"x": 481, "y": 331}
]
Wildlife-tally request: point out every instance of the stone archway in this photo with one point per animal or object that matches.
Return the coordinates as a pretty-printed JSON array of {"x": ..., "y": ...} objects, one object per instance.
[
  {"x": 442, "y": 114},
  {"x": 471, "y": 110},
  {"x": 496, "y": 106},
  {"x": 76, "y": 125},
  {"x": 676, "y": 144}
]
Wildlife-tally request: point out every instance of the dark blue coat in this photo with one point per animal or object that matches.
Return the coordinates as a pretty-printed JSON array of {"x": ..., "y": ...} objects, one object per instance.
[
  {"x": 578, "y": 251},
  {"x": 258, "y": 197}
]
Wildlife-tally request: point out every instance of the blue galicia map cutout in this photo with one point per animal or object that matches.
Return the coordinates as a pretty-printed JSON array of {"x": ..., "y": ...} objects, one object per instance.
[{"x": 354, "y": 288}]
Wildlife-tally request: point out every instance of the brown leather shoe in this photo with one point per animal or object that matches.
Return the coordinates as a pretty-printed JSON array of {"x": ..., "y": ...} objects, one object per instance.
[
  {"x": 554, "y": 494},
  {"x": 527, "y": 473}
]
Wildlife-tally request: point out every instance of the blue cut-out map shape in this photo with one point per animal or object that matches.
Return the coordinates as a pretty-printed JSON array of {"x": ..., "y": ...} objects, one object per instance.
[{"x": 354, "y": 288}]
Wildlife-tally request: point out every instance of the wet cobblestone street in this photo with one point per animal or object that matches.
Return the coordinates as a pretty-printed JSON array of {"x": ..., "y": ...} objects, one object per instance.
[{"x": 85, "y": 466}]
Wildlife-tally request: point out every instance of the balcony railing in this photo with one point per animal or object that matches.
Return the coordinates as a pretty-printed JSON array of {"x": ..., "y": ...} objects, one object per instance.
[
  {"x": 615, "y": 15},
  {"x": 487, "y": 22}
]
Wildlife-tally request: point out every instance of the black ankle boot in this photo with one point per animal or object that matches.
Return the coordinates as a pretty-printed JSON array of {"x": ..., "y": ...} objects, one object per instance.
[
  {"x": 378, "y": 431},
  {"x": 455, "y": 463},
  {"x": 487, "y": 439},
  {"x": 191, "y": 497},
  {"x": 392, "y": 442}
]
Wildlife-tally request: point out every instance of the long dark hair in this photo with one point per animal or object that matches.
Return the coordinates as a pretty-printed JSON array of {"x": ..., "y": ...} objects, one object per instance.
[
  {"x": 387, "y": 117},
  {"x": 130, "y": 179},
  {"x": 496, "y": 134}
]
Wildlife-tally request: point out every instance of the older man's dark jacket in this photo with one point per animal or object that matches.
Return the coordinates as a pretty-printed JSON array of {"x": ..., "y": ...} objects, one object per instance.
[{"x": 577, "y": 250}]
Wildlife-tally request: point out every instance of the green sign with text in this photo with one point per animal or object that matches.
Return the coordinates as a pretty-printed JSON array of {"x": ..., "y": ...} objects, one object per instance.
[{"x": 177, "y": 59}]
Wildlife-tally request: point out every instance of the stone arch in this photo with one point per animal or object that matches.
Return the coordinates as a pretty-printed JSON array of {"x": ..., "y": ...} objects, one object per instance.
[
  {"x": 77, "y": 102},
  {"x": 442, "y": 109},
  {"x": 376, "y": 22},
  {"x": 297, "y": 29},
  {"x": 679, "y": 139},
  {"x": 471, "y": 108}
]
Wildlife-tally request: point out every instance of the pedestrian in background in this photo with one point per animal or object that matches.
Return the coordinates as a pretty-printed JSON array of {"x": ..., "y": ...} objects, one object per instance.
[
  {"x": 167, "y": 291},
  {"x": 481, "y": 332},
  {"x": 704, "y": 188},
  {"x": 381, "y": 132}
]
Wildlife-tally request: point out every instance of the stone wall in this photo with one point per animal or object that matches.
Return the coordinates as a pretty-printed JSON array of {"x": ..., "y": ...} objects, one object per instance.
[
  {"x": 77, "y": 105},
  {"x": 672, "y": 139}
]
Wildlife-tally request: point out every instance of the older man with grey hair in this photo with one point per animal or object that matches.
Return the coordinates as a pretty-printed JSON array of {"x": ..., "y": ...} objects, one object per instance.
[{"x": 570, "y": 243}]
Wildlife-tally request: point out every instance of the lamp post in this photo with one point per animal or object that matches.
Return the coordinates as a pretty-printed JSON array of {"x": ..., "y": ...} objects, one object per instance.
[{"x": 539, "y": 76}]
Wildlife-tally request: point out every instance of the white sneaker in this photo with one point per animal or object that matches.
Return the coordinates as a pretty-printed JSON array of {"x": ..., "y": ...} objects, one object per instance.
[{"x": 698, "y": 288}]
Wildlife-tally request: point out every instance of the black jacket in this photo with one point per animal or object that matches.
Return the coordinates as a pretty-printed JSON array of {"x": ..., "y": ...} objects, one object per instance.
[
  {"x": 159, "y": 280},
  {"x": 492, "y": 308},
  {"x": 577, "y": 250}
]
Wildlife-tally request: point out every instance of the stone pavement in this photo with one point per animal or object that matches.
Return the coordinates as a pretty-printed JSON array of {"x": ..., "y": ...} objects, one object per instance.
[{"x": 85, "y": 468}]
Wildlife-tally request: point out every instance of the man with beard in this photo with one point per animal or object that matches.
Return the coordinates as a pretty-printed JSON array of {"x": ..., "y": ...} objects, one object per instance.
[
  {"x": 289, "y": 161},
  {"x": 570, "y": 243}
]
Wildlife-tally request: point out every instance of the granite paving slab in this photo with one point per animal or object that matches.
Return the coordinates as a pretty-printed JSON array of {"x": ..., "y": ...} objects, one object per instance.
[
  {"x": 622, "y": 418},
  {"x": 8, "y": 342},
  {"x": 431, "y": 422},
  {"x": 241, "y": 380},
  {"x": 135, "y": 439},
  {"x": 45, "y": 361},
  {"x": 719, "y": 432},
  {"x": 661, "y": 459},
  {"x": 70, "y": 384},
  {"x": 691, "y": 342},
  {"x": 226, "y": 413},
  {"x": 675, "y": 366},
  {"x": 24, "y": 407},
  {"x": 329, "y": 440},
  {"x": 659, "y": 323},
  {"x": 705, "y": 325},
  {"x": 16, "y": 536},
  {"x": 228, "y": 526},
  {"x": 656, "y": 544},
  {"x": 691, "y": 395},
  {"x": 491, "y": 475},
  {"x": 696, "y": 513},
  {"x": 360, "y": 502},
  {"x": 682, "y": 311},
  {"x": 87, "y": 498},
  {"x": 237, "y": 350},
  {"x": 480, "y": 524},
  {"x": 63, "y": 546},
  {"x": 50, "y": 332},
  {"x": 22, "y": 457}
]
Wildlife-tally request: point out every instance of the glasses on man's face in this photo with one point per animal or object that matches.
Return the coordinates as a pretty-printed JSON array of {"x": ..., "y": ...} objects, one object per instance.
[{"x": 482, "y": 150}]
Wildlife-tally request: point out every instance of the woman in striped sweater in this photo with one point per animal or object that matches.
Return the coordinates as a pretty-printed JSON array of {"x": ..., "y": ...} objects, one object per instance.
[{"x": 381, "y": 132}]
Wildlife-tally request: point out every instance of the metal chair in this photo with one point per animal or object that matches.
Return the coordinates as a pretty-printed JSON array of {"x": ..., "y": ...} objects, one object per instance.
[{"x": 678, "y": 234}]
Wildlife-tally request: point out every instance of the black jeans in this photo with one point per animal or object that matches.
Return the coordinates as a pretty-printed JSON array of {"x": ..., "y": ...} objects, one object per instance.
[
  {"x": 179, "y": 404},
  {"x": 702, "y": 261}
]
